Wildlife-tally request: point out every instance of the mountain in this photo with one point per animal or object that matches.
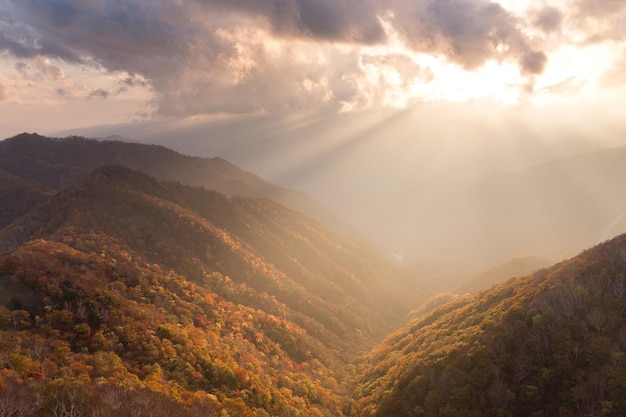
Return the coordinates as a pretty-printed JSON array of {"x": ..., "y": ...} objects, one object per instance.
[
  {"x": 126, "y": 294},
  {"x": 516, "y": 266},
  {"x": 553, "y": 210},
  {"x": 18, "y": 196},
  {"x": 552, "y": 343},
  {"x": 463, "y": 193},
  {"x": 121, "y": 294},
  {"x": 59, "y": 163}
]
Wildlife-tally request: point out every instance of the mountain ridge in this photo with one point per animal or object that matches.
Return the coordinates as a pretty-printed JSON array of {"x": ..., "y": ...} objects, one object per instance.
[
  {"x": 185, "y": 296},
  {"x": 547, "y": 344},
  {"x": 60, "y": 162},
  {"x": 136, "y": 207}
]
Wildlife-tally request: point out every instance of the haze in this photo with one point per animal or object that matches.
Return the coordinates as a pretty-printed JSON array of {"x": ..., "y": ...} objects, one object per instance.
[{"x": 430, "y": 125}]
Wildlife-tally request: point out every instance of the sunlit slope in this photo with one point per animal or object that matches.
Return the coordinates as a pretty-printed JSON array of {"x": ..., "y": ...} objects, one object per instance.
[
  {"x": 59, "y": 163},
  {"x": 187, "y": 299},
  {"x": 345, "y": 289},
  {"x": 114, "y": 335},
  {"x": 548, "y": 344}
]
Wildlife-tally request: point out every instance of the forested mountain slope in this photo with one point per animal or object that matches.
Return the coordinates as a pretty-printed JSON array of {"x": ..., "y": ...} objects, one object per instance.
[
  {"x": 124, "y": 287},
  {"x": 550, "y": 344},
  {"x": 18, "y": 196},
  {"x": 60, "y": 163}
]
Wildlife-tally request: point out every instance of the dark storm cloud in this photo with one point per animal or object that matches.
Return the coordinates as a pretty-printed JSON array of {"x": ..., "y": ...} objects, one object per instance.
[
  {"x": 22, "y": 44},
  {"x": 336, "y": 20},
  {"x": 118, "y": 34}
]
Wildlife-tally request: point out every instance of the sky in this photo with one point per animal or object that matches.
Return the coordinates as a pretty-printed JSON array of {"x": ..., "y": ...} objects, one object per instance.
[{"x": 75, "y": 63}]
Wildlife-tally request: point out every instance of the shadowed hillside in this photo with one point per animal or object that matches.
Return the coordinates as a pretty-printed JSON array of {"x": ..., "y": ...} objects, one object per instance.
[
  {"x": 549, "y": 344},
  {"x": 59, "y": 163},
  {"x": 18, "y": 196}
]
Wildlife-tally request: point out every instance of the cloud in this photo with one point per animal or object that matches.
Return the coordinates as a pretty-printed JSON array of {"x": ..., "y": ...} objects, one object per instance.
[
  {"x": 18, "y": 37},
  {"x": 119, "y": 35},
  {"x": 248, "y": 76},
  {"x": 600, "y": 8},
  {"x": 548, "y": 19},
  {"x": 533, "y": 62},
  {"x": 469, "y": 33},
  {"x": 236, "y": 56},
  {"x": 98, "y": 93},
  {"x": 130, "y": 82},
  {"x": 40, "y": 69},
  {"x": 335, "y": 20},
  {"x": 616, "y": 76},
  {"x": 601, "y": 20}
]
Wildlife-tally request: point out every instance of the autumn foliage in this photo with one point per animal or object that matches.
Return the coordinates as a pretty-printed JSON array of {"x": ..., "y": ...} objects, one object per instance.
[
  {"x": 125, "y": 296},
  {"x": 126, "y": 290},
  {"x": 552, "y": 344}
]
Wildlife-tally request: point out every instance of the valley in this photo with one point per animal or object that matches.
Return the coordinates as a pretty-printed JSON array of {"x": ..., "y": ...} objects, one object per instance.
[
  {"x": 121, "y": 293},
  {"x": 312, "y": 208}
]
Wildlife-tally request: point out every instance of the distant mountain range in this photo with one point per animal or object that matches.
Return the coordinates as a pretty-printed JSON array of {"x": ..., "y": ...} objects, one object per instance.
[{"x": 552, "y": 210}]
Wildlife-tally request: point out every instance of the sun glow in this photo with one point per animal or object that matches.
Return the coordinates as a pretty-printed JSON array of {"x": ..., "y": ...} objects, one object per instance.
[
  {"x": 408, "y": 77},
  {"x": 576, "y": 71},
  {"x": 496, "y": 82}
]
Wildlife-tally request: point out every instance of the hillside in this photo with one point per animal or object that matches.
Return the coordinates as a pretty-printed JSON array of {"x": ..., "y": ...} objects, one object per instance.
[
  {"x": 514, "y": 267},
  {"x": 552, "y": 343},
  {"x": 157, "y": 293},
  {"x": 18, "y": 196},
  {"x": 60, "y": 163}
]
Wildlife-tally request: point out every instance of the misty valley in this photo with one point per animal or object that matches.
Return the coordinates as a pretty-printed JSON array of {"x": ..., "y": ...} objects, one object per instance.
[{"x": 139, "y": 281}]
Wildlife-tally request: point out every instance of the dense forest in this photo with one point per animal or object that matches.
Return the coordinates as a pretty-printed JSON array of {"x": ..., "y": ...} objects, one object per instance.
[
  {"x": 124, "y": 295},
  {"x": 128, "y": 290},
  {"x": 59, "y": 163},
  {"x": 550, "y": 344}
]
